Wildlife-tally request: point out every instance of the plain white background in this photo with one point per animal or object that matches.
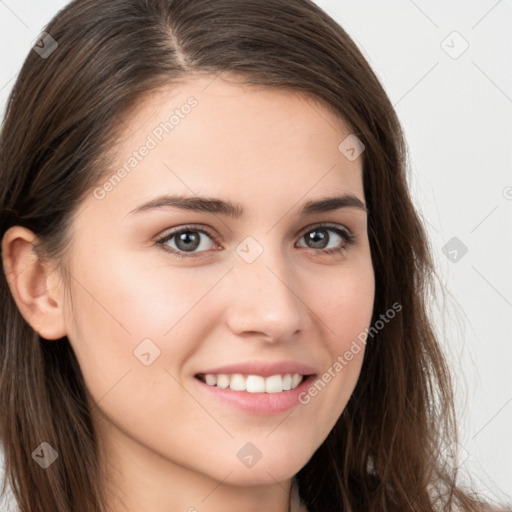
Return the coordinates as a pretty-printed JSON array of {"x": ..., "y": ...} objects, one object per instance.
[{"x": 446, "y": 68}]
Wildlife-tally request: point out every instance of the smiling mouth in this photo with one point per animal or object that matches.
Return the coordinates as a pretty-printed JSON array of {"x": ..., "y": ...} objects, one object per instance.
[{"x": 253, "y": 383}]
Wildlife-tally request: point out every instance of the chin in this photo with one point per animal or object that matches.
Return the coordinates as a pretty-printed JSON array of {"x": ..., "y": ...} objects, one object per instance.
[
  {"x": 262, "y": 476},
  {"x": 267, "y": 470}
]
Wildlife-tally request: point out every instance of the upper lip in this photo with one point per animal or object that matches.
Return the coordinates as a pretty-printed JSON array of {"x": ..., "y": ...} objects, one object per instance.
[{"x": 265, "y": 369}]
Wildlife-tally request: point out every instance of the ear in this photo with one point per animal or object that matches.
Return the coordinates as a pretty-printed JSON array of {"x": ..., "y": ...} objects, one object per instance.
[{"x": 33, "y": 285}]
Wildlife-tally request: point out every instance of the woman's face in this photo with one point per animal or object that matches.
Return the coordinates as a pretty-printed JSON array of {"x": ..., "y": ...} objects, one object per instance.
[{"x": 262, "y": 292}]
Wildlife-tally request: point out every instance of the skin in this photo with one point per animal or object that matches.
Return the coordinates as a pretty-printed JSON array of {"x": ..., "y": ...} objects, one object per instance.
[{"x": 166, "y": 444}]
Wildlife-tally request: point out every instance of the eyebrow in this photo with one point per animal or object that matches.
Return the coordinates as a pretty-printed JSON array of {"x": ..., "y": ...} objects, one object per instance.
[{"x": 235, "y": 210}]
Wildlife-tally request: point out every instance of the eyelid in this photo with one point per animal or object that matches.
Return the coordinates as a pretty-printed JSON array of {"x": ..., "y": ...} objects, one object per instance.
[
  {"x": 191, "y": 227},
  {"x": 336, "y": 227}
]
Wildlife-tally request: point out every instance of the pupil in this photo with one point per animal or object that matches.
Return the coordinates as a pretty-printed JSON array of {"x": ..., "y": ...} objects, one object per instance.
[
  {"x": 318, "y": 237},
  {"x": 191, "y": 241}
]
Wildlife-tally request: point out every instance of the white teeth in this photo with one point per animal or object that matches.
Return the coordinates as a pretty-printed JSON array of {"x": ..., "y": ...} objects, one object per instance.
[
  {"x": 296, "y": 378},
  {"x": 222, "y": 381},
  {"x": 237, "y": 382},
  {"x": 211, "y": 380},
  {"x": 274, "y": 384},
  {"x": 254, "y": 383}
]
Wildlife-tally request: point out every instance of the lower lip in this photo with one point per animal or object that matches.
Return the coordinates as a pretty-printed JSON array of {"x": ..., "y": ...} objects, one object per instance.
[{"x": 259, "y": 403}]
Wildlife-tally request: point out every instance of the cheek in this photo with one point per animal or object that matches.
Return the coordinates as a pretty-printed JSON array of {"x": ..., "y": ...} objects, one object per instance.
[
  {"x": 345, "y": 310},
  {"x": 124, "y": 309},
  {"x": 114, "y": 308},
  {"x": 351, "y": 311},
  {"x": 120, "y": 312},
  {"x": 127, "y": 299},
  {"x": 346, "y": 305}
]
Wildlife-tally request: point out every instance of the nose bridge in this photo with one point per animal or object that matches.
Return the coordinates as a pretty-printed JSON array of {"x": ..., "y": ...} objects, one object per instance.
[{"x": 264, "y": 298}]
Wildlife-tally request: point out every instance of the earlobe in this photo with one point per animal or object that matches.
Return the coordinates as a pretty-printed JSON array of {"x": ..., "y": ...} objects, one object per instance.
[{"x": 30, "y": 282}]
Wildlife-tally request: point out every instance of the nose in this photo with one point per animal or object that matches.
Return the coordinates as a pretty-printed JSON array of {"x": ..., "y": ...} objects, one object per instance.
[{"x": 264, "y": 299}]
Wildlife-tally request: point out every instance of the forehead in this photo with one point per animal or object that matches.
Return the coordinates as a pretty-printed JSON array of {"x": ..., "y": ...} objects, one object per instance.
[{"x": 219, "y": 137}]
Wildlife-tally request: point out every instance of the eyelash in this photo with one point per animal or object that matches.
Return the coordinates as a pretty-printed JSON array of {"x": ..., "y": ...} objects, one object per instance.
[{"x": 348, "y": 238}]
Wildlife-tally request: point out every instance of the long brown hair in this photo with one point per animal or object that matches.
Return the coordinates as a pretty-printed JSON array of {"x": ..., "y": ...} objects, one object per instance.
[{"x": 63, "y": 115}]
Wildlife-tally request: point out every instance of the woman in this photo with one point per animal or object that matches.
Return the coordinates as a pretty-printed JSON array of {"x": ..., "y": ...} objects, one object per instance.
[{"x": 215, "y": 278}]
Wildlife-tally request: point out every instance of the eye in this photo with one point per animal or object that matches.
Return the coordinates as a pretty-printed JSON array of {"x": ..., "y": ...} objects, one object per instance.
[
  {"x": 188, "y": 241},
  {"x": 185, "y": 240},
  {"x": 320, "y": 239}
]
